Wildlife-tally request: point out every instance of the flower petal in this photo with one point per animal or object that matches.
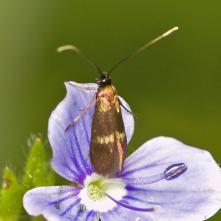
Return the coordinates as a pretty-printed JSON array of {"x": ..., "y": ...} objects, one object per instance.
[
  {"x": 56, "y": 203},
  {"x": 122, "y": 214},
  {"x": 194, "y": 194},
  {"x": 128, "y": 119},
  {"x": 71, "y": 146}
]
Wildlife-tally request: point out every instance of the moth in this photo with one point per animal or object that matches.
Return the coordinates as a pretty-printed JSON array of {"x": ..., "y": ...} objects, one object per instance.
[{"x": 108, "y": 138}]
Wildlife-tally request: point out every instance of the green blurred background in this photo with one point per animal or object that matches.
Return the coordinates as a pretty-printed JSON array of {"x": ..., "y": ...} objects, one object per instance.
[{"x": 174, "y": 87}]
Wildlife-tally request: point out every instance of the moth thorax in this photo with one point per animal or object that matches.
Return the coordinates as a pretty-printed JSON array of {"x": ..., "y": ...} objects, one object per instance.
[
  {"x": 106, "y": 98},
  {"x": 107, "y": 90}
]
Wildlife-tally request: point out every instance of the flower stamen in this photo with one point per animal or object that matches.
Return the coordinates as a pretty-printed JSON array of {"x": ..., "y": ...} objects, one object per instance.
[
  {"x": 151, "y": 209},
  {"x": 171, "y": 172}
]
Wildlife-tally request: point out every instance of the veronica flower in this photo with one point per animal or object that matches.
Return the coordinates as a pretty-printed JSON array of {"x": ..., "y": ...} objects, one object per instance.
[{"x": 163, "y": 180}]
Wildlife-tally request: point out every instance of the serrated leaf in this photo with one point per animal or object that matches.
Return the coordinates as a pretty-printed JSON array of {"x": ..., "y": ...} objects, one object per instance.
[
  {"x": 37, "y": 170},
  {"x": 37, "y": 173},
  {"x": 10, "y": 197}
]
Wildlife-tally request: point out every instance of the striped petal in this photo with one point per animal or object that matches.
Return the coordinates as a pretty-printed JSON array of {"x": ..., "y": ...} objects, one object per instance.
[
  {"x": 56, "y": 203},
  {"x": 179, "y": 181},
  {"x": 123, "y": 214}
]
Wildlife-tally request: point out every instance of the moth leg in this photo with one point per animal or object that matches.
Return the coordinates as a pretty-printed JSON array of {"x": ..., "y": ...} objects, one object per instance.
[
  {"x": 84, "y": 111},
  {"x": 130, "y": 112},
  {"x": 85, "y": 88}
]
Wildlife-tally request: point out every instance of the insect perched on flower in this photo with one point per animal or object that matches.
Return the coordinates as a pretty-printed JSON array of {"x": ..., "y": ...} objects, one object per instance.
[
  {"x": 163, "y": 180},
  {"x": 108, "y": 139}
]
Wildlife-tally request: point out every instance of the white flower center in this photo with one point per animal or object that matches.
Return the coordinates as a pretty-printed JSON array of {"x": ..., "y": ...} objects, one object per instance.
[{"x": 93, "y": 194}]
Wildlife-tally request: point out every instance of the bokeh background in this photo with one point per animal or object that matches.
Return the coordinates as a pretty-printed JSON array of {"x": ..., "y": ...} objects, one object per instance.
[{"x": 174, "y": 87}]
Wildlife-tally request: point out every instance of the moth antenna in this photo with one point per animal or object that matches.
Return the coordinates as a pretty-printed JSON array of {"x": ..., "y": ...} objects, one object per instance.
[
  {"x": 78, "y": 51},
  {"x": 133, "y": 54}
]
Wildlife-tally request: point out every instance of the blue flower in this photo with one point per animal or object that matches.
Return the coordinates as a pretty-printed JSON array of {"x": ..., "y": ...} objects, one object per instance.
[{"x": 163, "y": 180}]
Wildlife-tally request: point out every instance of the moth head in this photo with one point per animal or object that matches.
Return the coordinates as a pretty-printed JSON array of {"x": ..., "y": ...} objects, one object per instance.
[{"x": 103, "y": 79}]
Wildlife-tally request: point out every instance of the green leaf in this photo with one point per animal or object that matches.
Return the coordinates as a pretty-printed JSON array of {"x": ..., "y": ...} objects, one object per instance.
[
  {"x": 38, "y": 218},
  {"x": 38, "y": 171},
  {"x": 10, "y": 197}
]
